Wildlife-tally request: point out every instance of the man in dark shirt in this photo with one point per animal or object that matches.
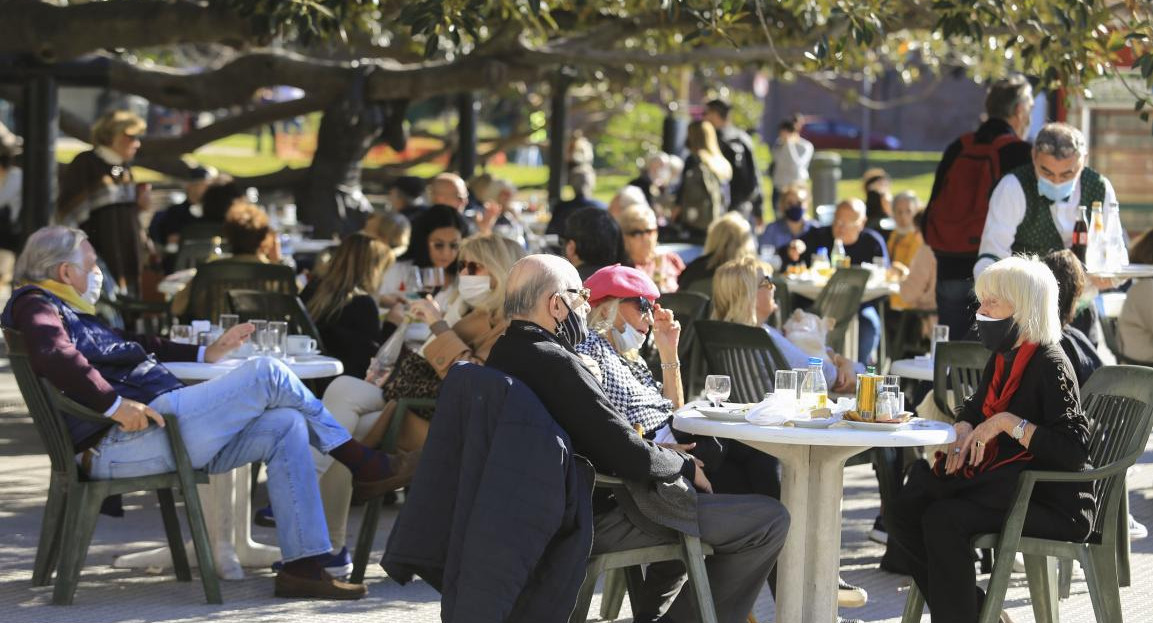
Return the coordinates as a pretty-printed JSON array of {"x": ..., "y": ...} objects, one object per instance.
[
  {"x": 547, "y": 306},
  {"x": 1008, "y": 106},
  {"x": 582, "y": 180}
]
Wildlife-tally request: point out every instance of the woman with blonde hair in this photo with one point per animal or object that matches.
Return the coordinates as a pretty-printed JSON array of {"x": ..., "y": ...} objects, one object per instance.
[
  {"x": 343, "y": 305},
  {"x": 1026, "y": 414},
  {"x": 99, "y": 194},
  {"x": 743, "y": 294},
  {"x": 704, "y": 188},
  {"x": 730, "y": 237},
  {"x": 639, "y": 226}
]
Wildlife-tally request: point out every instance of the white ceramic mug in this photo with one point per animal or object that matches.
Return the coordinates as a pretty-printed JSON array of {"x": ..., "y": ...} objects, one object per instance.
[{"x": 301, "y": 345}]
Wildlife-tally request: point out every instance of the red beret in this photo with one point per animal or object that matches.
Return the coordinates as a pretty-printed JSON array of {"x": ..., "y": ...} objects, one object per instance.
[{"x": 620, "y": 282}]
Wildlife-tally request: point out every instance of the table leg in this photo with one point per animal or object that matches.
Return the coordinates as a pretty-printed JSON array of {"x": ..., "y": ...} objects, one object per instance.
[
  {"x": 251, "y": 553},
  {"x": 812, "y": 484}
]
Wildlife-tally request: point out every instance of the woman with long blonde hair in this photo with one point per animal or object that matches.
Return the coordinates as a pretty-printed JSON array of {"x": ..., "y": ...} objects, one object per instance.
[
  {"x": 704, "y": 189},
  {"x": 730, "y": 237}
]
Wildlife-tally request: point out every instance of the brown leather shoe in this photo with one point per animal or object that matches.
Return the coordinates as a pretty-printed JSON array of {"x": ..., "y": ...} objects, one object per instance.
[
  {"x": 403, "y": 466},
  {"x": 294, "y": 587}
]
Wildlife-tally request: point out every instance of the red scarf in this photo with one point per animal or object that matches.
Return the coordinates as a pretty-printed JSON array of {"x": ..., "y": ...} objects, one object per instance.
[{"x": 997, "y": 398}]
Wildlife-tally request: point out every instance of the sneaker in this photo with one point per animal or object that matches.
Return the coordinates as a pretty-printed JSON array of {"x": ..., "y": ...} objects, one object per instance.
[
  {"x": 336, "y": 565},
  {"x": 878, "y": 533},
  {"x": 849, "y": 596},
  {"x": 264, "y": 517},
  {"x": 291, "y": 586},
  {"x": 841, "y": 619},
  {"x": 1137, "y": 530}
]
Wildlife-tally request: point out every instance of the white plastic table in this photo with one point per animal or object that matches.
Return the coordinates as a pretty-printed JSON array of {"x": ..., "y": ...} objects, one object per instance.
[
  {"x": 876, "y": 289},
  {"x": 917, "y": 369},
  {"x": 812, "y": 485},
  {"x": 227, "y": 497}
]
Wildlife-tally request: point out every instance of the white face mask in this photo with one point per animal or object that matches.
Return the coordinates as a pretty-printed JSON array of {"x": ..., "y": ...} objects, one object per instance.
[
  {"x": 95, "y": 284},
  {"x": 473, "y": 288},
  {"x": 630, "y": 338}
]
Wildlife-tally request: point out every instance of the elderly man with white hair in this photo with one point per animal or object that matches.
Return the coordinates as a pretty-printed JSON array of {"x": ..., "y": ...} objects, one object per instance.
[
  {"x": 1035, "y": 207},
  {"x": 548, "y": 308}
]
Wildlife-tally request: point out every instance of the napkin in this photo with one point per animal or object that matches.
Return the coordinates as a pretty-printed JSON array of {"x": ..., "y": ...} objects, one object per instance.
[{"x": 772, "y": 411}]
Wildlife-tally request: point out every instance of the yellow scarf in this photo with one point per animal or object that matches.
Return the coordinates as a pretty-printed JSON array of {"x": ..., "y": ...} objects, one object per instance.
[{"x": 68, "y": 294}]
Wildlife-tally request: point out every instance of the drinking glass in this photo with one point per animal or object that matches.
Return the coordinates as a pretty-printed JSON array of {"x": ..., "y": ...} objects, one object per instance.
[
  {"x": 411, "y": 283},
  {"x": 717, "y": 388},
  {"x": 801, "y": 374},
  {"x": 888, "y": 407},
  {"x": 785, "y": 384},
  {"x": 182, "y": 334},
  {"x": 276, "y": 340},
  {"x": 940, "y": 334},
  {"x": 227, "y": 321},
  {"x": 432, "y": 280},
  {"x": 258, "y": 336},
  {"x": 204, "y": 338}
]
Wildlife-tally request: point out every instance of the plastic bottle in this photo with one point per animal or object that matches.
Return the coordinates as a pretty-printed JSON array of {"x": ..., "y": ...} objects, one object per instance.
[
  {"x": 1095, "y": 252},
  {"x": 814, "y": 390},
  {"x": 838, "y": 256},
  {"x": 821, "y": 265},
  {"x": 1116, "y": 255}
]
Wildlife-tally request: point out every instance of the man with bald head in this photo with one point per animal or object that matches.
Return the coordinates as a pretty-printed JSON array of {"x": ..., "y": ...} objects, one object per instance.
[
  {"x": 448, "y": 189},
  {"x": 548, "y": 305}
]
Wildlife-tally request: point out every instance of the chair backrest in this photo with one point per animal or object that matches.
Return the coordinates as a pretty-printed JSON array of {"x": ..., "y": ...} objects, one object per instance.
[
  {"x": 1118, "y": 403},
  {"x": 208, "y": 292},
  {"x": 260, "y": 305},
  {"x": 784, "y": 301},
  {"x": 193, "y": 253},
  {"x": 700, "y": 286},
  {"x": 746, "y": 354},
  {"x": 201, "y": 231},
  {"x": 840, "y": 300},
  {"x": 1109, "y": 332},
  {"x": 687, "y": 307},
  {"x": 49, "y": 424},
  {"x": 957, "y": 367}
]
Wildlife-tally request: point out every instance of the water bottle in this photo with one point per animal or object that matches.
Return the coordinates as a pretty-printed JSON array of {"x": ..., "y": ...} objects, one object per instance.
[
  {"x": 821, "y": 264},
  {"x": 1116, "y": 255},
  {"x": 839, "y": 258},
  {"x": 1095, "y": 252},
  {"x": 814, "y": 391}
]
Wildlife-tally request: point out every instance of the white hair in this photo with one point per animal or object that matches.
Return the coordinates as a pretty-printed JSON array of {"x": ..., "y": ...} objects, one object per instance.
[
  {"x": 46, "y": 250},
  {"x": 1026, "y": 284},
  {"x": 630, "y": 196},
  {"x": 499, "y": 187}
]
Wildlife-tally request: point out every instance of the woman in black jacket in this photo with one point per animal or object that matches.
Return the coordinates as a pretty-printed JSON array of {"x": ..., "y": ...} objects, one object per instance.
[{"x": 1026, "y": 414}]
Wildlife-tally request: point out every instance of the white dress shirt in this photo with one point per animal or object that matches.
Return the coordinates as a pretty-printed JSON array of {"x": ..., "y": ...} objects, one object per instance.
[{"x": 1007, "y": 210}]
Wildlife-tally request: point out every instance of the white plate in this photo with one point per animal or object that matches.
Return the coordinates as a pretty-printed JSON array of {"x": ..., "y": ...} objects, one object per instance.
[
  {"x": 823, "y": 422},
  {"x": 728, "y": 412},
  {"x": 876, "y": 425}
]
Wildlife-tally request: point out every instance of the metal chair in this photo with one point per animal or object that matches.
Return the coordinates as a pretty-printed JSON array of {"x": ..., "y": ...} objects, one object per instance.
[
  {"x": 262, "y": 305},
  {"x": 208, "y": 292},
  {"x": 1119, "y": 405},
  {"x": 73, "y": 503},
  {"x": 690, "y": 551},
  {"x": 746, "y": 354},
  {"x": 841, "y": 300}
]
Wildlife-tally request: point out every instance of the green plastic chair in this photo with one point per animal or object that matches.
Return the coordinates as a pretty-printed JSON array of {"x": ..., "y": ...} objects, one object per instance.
[
  {"x": 840, "y": 300},
  {"x": 371, "y": 520},
  {"x": 194, "y": 252},
  {"x": 208, "y": 292},
  {"x": 690, "y": 551},
  {"x": 746, "y": 354},
  {"x": 74, "y": 501},
  {"x": 1119, "y": 405},
  {"x": 262, "y": 305},
  {"x": 957, "y": 370},
  {"x": 687, "y": 308}
]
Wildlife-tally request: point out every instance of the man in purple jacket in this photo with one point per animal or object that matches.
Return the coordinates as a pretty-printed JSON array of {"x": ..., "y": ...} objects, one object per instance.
[{"x": 259, "y": 412}]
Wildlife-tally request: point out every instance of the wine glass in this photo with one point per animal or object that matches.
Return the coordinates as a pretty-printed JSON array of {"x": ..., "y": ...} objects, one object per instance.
[
  {"x": 432, "y": 280},
  {"x": 411, "y": 283},
  {"x": 717, "y": 388}
]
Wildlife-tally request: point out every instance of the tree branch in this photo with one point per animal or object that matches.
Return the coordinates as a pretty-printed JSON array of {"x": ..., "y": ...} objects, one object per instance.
[
  {"x": 54, "y": 33},
  {"x": 250, "y": 118}
]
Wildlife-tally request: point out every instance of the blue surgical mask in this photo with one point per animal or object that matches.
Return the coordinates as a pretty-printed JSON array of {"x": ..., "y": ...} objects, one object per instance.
[
  {"x": 1055, "y": 192},
  {"x": 795, "y": 212}
]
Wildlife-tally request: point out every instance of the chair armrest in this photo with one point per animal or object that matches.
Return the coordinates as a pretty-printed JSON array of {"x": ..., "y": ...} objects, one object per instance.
[
  {"x": 603, "y": 480},
  {"x": 71, "y": 407},
  {"x": 1087, "y": 475},
  {"x": 176, "y": 440}
]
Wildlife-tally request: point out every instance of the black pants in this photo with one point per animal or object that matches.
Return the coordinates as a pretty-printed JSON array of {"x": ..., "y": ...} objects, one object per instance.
[{"x": 933, "y": 533}]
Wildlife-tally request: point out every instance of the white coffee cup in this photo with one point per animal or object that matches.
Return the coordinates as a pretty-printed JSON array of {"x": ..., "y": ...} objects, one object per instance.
[{"x": 301, "y": 345}]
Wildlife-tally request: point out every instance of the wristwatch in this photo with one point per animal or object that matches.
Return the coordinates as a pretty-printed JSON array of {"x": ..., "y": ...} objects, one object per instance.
[{"x": 1018, "y": 431}]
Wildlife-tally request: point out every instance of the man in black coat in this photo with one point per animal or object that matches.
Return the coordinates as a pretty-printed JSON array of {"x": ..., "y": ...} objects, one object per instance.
[{"x": 547, "y": 306}]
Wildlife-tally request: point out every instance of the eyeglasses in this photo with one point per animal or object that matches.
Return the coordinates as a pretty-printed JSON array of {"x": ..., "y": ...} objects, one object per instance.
[
  {"x": 636, "y": 233},
  {"x": 645, "y": 305},
  {"x": 440, "y": 246},
  {"x": 469, "y": 268},
  {"x": 766, "y": 282},
  {"x": 583, "y": 293}
]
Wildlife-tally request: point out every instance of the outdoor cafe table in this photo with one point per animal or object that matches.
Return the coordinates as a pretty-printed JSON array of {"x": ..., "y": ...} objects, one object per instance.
[
  {"x": 920, "y": 369},
  {"x": 876, "y": 289},
  {"x": 812, "y": 485},
  {"x": 227, "y": 497}
]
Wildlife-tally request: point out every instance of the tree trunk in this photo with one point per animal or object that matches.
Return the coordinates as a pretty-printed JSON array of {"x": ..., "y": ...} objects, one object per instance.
[{"x": 331, "y": 199}]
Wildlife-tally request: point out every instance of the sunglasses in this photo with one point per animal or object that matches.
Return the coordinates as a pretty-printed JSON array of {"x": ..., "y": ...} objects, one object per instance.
[
  {"x": 766, "y": 282},
  {"x": 469, "y": 268},
  {"x": 440, "y": 246},
  {"x": 636, "y": 233},
  {"x": 645, "y": 305},
  {"x": 583, "y": 293}
]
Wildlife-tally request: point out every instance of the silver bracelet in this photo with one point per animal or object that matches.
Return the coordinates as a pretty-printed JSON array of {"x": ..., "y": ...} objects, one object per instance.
[{"x": 672, "y": 365}]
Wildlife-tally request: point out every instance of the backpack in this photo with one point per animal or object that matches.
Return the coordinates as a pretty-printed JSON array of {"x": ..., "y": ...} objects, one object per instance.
[
  {"x": 955, "y": 219},
  {"x": 702, "y": 198}
]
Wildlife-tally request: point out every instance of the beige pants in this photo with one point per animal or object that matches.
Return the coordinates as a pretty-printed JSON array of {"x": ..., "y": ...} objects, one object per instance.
[{"x": 356, "y": 404}]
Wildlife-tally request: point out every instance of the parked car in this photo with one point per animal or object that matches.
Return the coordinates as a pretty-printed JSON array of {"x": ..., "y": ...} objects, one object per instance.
[{"x": 836, "y": 134}]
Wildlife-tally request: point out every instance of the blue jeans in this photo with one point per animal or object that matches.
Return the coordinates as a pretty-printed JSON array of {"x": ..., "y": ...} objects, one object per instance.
[{"x": 258, "y": 412}]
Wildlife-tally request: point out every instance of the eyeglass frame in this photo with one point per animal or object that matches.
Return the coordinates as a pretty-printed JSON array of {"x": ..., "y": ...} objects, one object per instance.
[
  {"x": 645, "y": 305},
  {"x": 583, "y": 293},
  {"x": 468, "y": 267}
]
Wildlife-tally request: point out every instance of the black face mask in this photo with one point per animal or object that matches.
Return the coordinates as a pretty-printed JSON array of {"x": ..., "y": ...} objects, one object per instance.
[
  {"x": 997, "y": 335},
  {"x": 573, "y": 328}
]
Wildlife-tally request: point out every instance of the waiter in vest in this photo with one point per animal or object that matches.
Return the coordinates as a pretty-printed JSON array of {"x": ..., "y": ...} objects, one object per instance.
[{"x": 1035, "y": 207}]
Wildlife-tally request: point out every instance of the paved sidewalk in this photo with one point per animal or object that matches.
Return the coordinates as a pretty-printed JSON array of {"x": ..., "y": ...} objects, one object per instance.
[{"x": 108, "y": 595}]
